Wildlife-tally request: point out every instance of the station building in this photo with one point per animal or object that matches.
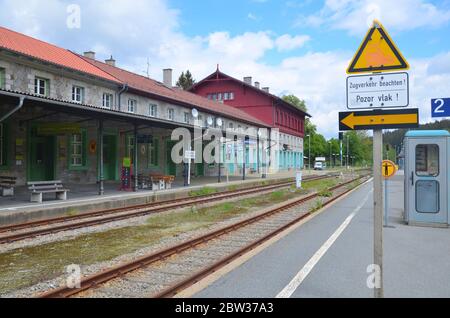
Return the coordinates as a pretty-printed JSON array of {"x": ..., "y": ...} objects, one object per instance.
[
  {"x": 69, "y": 117},
  {"x": 289, "y": 121}
]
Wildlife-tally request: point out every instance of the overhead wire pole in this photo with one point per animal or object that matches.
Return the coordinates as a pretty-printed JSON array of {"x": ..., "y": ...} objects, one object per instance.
[{"x": 378, "y": 208}]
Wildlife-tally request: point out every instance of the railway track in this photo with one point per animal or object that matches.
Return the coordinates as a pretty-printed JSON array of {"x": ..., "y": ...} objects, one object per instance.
[
  {"x": 167, "y": 272},
  {"x": 18, "y": 232}
]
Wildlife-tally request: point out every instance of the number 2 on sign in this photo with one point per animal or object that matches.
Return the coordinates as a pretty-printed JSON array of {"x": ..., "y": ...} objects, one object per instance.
[{"x": 439, "y": 108}]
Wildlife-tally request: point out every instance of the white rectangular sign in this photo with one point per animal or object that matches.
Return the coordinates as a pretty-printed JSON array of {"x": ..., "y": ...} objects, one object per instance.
[
  {"x": 189, "y": 154},
  {"x": 298, "y": 179},
  {"x": 378, "y": 91}
]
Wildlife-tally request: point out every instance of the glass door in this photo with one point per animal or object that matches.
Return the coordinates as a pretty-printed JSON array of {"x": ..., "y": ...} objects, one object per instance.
[{"x": 427, "y": 181}]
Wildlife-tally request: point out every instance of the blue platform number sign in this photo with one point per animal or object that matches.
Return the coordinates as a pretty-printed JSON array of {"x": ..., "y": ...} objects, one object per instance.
[{"x": 440, "y": 107}]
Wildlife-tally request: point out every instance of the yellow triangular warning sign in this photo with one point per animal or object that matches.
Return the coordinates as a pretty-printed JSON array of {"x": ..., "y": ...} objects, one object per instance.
[{"x": 377, "y": 53}]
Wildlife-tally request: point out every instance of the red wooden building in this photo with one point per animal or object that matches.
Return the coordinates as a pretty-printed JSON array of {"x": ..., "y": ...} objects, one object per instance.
[{"x": 261, "y": 104}]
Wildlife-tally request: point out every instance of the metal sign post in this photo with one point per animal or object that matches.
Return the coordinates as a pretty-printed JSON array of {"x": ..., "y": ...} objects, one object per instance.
[
  {"x": 378, "y": 54},
  {"x": 189, "y": 155},
  {"x": 388, "y": 170},
  {"x": 386, "y": 205},
  {"x": 378, "y": 207}
]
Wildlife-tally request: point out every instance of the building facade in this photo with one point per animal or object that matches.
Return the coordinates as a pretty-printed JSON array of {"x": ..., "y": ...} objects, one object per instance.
[
  {"x": 70, "y": 117},
  {"x": 287, "y": 121}
]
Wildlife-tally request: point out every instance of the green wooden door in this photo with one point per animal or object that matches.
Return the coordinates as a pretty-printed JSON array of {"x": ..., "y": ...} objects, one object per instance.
[
  {"x": 42, "y": 159},
  {"x": 109, "y": 157},
  {"x": 200, "y": 167},
  {"x": 171, "y": 167}
]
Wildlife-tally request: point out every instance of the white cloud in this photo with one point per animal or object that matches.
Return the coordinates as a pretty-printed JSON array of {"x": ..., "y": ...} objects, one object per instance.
[
  {"x": 150, "y": 29},
  {"x": 287, "y": 42},
  {"x": 253, "y": 17},
  {"x": 355, "y": 16}
]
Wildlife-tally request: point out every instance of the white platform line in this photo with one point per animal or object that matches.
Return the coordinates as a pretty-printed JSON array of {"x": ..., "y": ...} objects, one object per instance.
[{"x": 304, "y": 272}]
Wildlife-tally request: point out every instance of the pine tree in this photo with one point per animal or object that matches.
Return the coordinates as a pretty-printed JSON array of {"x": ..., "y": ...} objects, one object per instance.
[{"x": 186, "y": 81}]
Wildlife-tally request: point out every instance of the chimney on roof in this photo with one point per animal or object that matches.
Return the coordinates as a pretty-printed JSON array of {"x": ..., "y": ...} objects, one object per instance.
[
  {"x": 248, "y": 80},
  {"x": 167, "y": 77},
  {"x": 89, "y": 55},
  {"x": 266, "y": 89},
  {"x": 257, "y": 85},
  {"x": 111, "y": 61}
]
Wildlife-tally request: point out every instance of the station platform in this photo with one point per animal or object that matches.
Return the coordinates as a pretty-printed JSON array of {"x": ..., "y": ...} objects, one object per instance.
[
  {"x": 307, "y": 262},
  {"x": 84, "y": 198}
]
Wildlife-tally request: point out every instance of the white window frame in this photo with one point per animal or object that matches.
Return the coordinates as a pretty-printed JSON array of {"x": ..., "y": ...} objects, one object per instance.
[
  {"x": 107, "y": 100},
  {"x": 171, "y": 114},
  {"x": 78, "y": 94},
  {"x": 37, "y": 86},
  {"x": 200, "y": 120},
  {"x": 132, "y": 106},
  {"x": 186, "y": 118},
  {"x": 153, "y": 110},
  {"x": 231, "y": 96},
  {"x": 76, "y": 145}
]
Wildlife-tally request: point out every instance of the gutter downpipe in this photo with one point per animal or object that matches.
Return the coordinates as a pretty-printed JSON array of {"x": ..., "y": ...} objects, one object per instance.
[
  {"x": 17, "y": 108},
  {"x": 119, "y": 101}
]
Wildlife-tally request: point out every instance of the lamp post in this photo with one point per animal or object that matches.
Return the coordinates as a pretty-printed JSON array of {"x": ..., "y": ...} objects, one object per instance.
[
  {"x": 309, "y": 152},
  {"x": 219, "y": 123},
  {"x": 259, "y": 133},
  {"x": 330, "y": 152},
  {"x": 348, "y": 151}
]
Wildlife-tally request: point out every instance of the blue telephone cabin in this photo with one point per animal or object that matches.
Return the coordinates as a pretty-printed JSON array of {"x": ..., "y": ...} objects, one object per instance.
[{"x": 427, "y": 177}]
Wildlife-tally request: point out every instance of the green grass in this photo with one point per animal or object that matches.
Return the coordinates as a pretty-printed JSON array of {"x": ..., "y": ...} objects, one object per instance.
[
  {"x": 320, "y": 185},
  {"x": 277, "y": 196},
  {"x": 203, "y": 191},
  {"x": 318, "y": 204},
  {"x": 326, "y": 193},
  {"x": 25, "y": 267}
]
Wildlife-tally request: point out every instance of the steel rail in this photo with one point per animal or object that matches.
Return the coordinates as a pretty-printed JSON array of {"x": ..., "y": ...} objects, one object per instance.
[
  {"x": 122, "y": 269},
  {"x": 146, "y": 210}
]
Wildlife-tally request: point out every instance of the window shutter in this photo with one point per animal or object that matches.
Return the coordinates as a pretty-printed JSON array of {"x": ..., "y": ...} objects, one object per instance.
[
  {"x": 2, "y": 78},
  {"x": 47, "y": 88}
]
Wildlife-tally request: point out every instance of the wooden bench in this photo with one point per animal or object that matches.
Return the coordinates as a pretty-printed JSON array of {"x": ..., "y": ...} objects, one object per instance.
[
  {"x": 158, "y": 182},
  {"x": 38, "y": 188},
  {"x": 168, "y": 180},
  {"x": 7, "y": 185},
  {"x": 161, "y": 182}
]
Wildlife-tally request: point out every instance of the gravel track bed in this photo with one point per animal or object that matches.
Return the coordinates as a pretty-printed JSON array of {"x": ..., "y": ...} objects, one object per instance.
[
  {"x": 220, "y": 249},
  {"x": 71, "y": 234},
  {"x": 145, "y": 282}
]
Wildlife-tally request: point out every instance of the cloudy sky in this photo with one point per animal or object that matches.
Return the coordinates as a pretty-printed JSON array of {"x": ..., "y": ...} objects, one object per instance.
[{"x": 292, "y": 46}]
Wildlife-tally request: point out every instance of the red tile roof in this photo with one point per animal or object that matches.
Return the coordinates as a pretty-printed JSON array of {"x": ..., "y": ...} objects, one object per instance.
[
  {"x": 145, "y": 84},
  {"x": 29, "y": 46},
  {"x": 25, "y": 45}
]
